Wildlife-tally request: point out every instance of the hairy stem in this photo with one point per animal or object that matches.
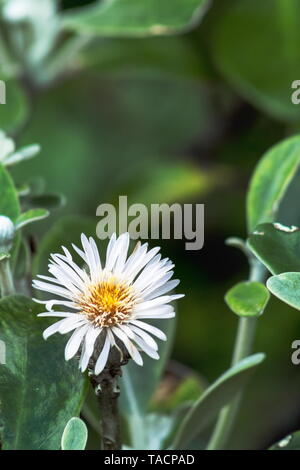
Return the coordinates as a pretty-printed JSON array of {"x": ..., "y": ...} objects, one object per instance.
[{"x": 243, "y": 348}]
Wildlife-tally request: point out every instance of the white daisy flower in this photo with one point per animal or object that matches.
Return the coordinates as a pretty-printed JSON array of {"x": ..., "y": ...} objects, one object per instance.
[{"x": 108, "y": 304}]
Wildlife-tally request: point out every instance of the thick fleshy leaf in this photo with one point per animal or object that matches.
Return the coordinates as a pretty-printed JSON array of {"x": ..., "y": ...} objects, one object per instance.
[
  {"x": 75, "y": 435},
  {"x": 271, "y": 29},
  {"x": 277, "y": 247},
  {"x": 270, "y": 181},
  {"x": 291, "y": 442},
  {"x": 30, "y": 216},
  {"x": 248, "y": 299},
  {"x": 9, "y": 204},
  {"x": 136, "y": 18},
  {"x": 214, "y": 399},
  {"x": 139, "y": 383},
  {"x": 286, "y": 287},
  {"x": 39, "y": 391}
]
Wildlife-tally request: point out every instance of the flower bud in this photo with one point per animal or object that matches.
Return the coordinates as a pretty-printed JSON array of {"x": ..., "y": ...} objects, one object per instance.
[{"x": 7, "y": 233}]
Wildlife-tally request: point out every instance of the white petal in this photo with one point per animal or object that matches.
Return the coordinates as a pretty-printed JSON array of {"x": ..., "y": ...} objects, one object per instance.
[
  {"x": 89, "y": 345},
  {"x": 110, "y": 248},
  {"x": 74, "y": 342},
  {"x": 129, "y": 345},
  {"x": 52, "y": 329},
  {"x": 70, "y": 323},
  {"x": 91, "y": 261},
  {"x": 149, "y": 304},
  {"x": 145, "y": 337},
  {"x": 127, "y": 330},
  {"x": 102, "y": 359},
  {"x": 169, "y": 286},
  {"x": 146, "y": 348},
  {"x": 152, "y": 329},
  {"x": 60, "y": 291},
  {"x": 124, "y": 245},
  {"x": 80, "y": 253},
  {"x": 55, "y": 314}
]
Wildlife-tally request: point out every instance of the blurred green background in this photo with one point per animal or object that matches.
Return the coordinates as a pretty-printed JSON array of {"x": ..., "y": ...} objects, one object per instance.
[{"x": 183, "y": 118}]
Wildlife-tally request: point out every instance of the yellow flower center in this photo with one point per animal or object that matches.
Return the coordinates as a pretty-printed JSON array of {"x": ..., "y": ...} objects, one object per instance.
[{"x": 108, "y": 303}]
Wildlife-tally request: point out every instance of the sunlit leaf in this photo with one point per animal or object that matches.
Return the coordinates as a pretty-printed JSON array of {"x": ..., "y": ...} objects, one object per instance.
[{"x": 248, "y": 299}]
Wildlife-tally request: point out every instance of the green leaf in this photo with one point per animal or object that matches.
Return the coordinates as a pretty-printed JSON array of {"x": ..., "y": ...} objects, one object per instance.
[
  {"x": 22, "y": 154},
  {"x": 75, "y": 435},
  {"x": 139, "y": 383},
  {"x": 173, "y": 56},
  {"x": 30, "y": 216},
  {"x": 39, "y": 390},
  {"x": 187, "y": 391},
  {"x": 270, "y": 181},
  {"x": 48, "y": 201},
  {"x": 286, "y": 287},
  {"x": 15, "y": 111},
  {"x": 263, "y": 78},
  {"x": 291, "y": 442},
  {"x": 277, "y": 247},
  {"x": 136, "y": 18},
  {"x": 248, "y": 299},
  {"x": 214, "y": 399},
  {"x": 9, "y": 204}
]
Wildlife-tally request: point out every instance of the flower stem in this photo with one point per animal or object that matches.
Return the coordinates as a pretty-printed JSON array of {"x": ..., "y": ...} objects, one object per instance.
[
  {"x": 243, "y": 348},
  {"x": 107, "y": 391},
  {"x": 6, "y": 279}
]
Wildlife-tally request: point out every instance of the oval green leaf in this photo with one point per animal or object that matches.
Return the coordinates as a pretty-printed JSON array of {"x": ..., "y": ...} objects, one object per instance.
[
  {"x": 214, "y": 399},
  {"x": 248, "y": 299},
  {"x": 75, "y": 435},
  {"x": 270, "y": 181},
  {"x": 286, "y": 287}
]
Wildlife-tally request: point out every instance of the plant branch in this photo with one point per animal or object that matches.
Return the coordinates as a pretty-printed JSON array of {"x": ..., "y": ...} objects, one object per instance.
[
  {"x": 6, "y": 279},
  {"x": 243, "y": 348}
]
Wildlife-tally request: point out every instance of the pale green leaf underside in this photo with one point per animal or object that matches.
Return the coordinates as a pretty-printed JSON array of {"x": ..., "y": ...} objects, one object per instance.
[
  {"x": 75, "y": 435},
  {"x": 286, "y": 287}
]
